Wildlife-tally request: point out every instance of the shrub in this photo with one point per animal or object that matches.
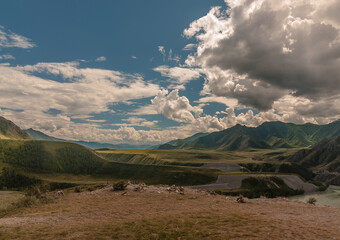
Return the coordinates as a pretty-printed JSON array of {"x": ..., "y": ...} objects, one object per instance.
[
  {"x": 311, "y": 201},
  {"x": 119, "y": 186},
  {"x": 27, "y": 201},
  {"x": 37, "y": 191},
  {"x": 77, "y": 189}
]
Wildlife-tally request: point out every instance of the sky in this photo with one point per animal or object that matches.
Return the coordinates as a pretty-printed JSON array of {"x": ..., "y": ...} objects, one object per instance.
[{"x": 147, "y": 72}]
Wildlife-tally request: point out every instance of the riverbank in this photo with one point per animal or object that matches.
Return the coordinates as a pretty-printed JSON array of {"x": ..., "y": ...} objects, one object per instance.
[{"x": 331, "y": 197}]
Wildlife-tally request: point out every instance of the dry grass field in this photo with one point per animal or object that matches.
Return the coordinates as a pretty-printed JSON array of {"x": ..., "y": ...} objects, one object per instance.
[{"x": 156, "y": 213}]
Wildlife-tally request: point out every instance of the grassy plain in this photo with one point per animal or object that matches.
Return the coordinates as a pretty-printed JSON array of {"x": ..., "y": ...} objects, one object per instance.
[{"x": 198, "y": 157}]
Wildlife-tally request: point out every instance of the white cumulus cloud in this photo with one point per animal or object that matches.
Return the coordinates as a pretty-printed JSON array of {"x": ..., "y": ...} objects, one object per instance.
[{"x": 263, "y": 50}]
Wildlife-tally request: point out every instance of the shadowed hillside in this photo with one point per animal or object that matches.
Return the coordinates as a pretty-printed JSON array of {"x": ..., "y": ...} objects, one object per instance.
[{"x": 324, "y": 155}]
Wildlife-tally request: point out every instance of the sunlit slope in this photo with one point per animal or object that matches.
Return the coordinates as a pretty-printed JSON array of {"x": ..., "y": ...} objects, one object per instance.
[
  {"x": 48, "y": 156},
  {"x": 8, "y": 130},
  {"x": 43, "y": 157}
]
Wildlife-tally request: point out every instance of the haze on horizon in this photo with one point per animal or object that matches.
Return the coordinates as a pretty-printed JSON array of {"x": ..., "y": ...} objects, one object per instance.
[{"x": 149, "y": 72}]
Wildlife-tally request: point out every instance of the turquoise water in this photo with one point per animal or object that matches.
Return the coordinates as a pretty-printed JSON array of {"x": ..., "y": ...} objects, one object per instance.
[{"x": 331, "y": 197}]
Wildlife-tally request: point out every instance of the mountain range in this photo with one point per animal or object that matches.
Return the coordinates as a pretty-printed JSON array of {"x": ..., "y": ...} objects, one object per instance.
[
  {"x": 266, "y": 136},
  {"x": 27, "y": 155},
  {"x": 37, "y": 135}
]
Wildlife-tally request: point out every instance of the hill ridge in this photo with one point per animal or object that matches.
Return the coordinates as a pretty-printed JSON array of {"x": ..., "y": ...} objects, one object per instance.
[
  {"x": 274, "y": 134},
  {"x": 8, "y": 130}
]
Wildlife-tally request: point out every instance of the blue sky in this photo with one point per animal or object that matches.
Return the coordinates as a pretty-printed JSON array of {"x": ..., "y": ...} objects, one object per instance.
[{"x": 152, "y": 71}]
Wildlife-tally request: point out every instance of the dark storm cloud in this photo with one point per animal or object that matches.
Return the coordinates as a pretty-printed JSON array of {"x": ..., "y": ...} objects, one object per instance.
[{"x": 280, "y": 44}]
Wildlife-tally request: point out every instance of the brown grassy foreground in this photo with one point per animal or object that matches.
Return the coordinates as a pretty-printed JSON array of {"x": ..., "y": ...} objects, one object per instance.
[{"x": 158, "y": 214}]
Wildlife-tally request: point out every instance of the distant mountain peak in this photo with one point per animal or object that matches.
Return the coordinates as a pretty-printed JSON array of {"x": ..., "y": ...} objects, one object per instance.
[{"x": 37, "y": 135}]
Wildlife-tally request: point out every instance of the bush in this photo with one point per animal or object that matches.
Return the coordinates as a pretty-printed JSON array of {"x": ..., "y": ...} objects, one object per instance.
[
  {"x": 27, "y": 201},
  {"x": 37, "y": 191},
  {"x": 33, "y": 196},
  {"x": 119, "y": 186},
  {"x": 311, "y": 201},
  {"x": 77, "y": 189}
]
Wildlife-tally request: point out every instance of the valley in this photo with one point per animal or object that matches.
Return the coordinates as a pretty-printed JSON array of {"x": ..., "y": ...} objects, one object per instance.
[
  {"x": 34, "y": 172},
  {"x": 170, "y": 120},
  {"x": 58, "y": 162}
]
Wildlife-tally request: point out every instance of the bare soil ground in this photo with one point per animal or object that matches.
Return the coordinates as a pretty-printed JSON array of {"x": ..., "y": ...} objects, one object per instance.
[{"x": 156, "y": 213}]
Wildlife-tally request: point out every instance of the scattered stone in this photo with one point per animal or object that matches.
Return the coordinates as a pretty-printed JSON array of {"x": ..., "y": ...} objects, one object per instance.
[
  {"x": 240, "y": 199},
  {"x": 120, "y": 186},
  {"x": 210, "y": 192},
  {"x": 181, "y": 190},
  {"x": 124, "y": 193},
  {"x": 175, "y": 189},
  {"x": 59, "y": 194},
  {"x": 140, "y": 188}
]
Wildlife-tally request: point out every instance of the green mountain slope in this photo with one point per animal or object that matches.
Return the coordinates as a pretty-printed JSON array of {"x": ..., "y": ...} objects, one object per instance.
[
  {"x": 180, "y": 143},
  {"x": 52, "y": 157},
  {"x": 323, "y": 155},
  {"x": 48, "y": 156},
  {"x": 32, "y": 156},
  {"x": 8, "y": 130},
  {"x": 267, "y": 135}
]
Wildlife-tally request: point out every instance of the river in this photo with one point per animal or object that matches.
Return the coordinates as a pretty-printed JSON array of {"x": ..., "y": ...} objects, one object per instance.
[{"x": 331, "y": 197}]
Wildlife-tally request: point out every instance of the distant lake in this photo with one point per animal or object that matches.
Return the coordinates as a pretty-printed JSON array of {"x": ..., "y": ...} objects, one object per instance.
[{"x": 331, "y": 197}]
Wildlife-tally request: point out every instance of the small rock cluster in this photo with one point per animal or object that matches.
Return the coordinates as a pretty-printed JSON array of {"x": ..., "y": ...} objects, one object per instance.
[
  {"x": 240, "y": 199},
  {"x": 140, "y": 187},
  {"x": 175, "y": 189},
  {"x": 59, "y": 194}
]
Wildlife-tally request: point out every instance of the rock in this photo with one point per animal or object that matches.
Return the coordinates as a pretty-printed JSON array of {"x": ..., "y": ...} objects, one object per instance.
[
  {"x": 140, "y": 188},
  {"x": 175, "y": 189},
  {"x": 240, "y": 199},
  {"x": 59, "y": 194},
  {"x": 210, "y": 192}
]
